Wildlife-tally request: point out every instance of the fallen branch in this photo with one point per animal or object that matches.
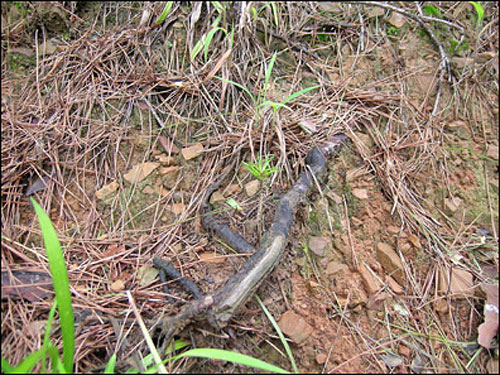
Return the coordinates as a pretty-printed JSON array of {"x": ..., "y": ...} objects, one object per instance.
[{"x": 219, "y": 308}]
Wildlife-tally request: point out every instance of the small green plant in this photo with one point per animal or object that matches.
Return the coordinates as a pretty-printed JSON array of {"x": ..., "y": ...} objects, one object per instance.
[
  {"x": 233, "y": 204},
  {"x": 261, "y": 101},
  {"x": 457, "y": 47},
  {"x": 392, "y": 31},
  {"x": 262, "y": 168},
  {"x": 255, "y": 12},
  {"x": 431, "y": 10}
]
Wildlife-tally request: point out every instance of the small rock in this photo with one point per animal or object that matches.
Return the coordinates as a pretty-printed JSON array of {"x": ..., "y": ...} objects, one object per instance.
[
  {"x": 414, "y": 241},
  {"x": 360, "y": 193},
  {"x": 148, "y": 190},
  {"x": 321, "y": 358},
  {"x": 295, "y": 327},
  {"x": 308, "y": 126},
  {"x": 456, "y": 124},
  {"x": 375, "y": 12},
  {"x": 164, "y": 159},
  {"x": 404, "y": 351},
  {"x": 441, "y": 306},
  {"x": 324, "y": 262},
  {"x": 172, "y": 170},
  {"x": 390, "y": 261},
  {"x": 392, "y": 361},
  {"x": 319, "y": 245},
  {"x": 418, "y": 364},
  {"x": 168, "y": 145},
  {"x": 356, "y": 222},
  {"x": 192, "y": 151},
  {"x": 146, "y": 275},
  {"x": 353, "y": 174},
  {"x": 335, "y": 197},
  {"x": 107, "y": 190},
  {"x": 177, "y": 208},
  {"x": 252, "y": 187},
  {"x": 397, "y": 19},
  {"x": 375, "y": 301},
  {"x": 365, "y": 139},
  {"x": 118, "y": 286},
  {"x": 393, "y": 229},
  {"x": 140, "y": 171},
  {"x": 452, "y": 204},
  {"x": 492, "y": 152},
  {"x": 396, "y": 288},
  {"x": 459, "y": 283},
  {"x": 337, "y": 268},
  {"x": 369, "y": 281},
  {"x": 233, "y": 189},
  {"x": 217, "y": 197}
]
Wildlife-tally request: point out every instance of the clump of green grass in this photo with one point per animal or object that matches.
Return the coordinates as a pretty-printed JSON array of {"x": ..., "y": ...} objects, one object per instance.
[{"x": 261, "y": 168}]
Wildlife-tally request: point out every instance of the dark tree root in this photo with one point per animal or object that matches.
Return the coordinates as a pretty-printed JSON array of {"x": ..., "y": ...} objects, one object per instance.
[
  {"x": 166, "y": 269},
  {"x": 230, "y": 237},
  {"x": 222, "y": 305}
]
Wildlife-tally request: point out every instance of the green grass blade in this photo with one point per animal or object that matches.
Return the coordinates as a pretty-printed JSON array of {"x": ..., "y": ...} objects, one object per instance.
[
  {"x": 55, "y": 361},
  {"x": 299, "y": 93},
  {"x": 231, "y": 39},
  {"x": 479, "y": 10},
  {"x": 148, "y": 360},
  {"x": 197, "y": 48},
  {"x": 208, "y": 40},
  {"x": 6, "y": 366},
  {"x": 110, "y": 366},
  {"x": 280, "y": 334},
  {"x": 275, "y": 13},
  {"x": 61, "y": 284},
  {"x": 225, "y": 355},
  {"x": 237, "y": 85},
  {"x": 221, "y": 9},
  {"x": 274, "y": 105},
  {"x": 48, "y": 328},
  {"x": 268, "y": 73},
  {"x": 31, "y": 360},
  {"x": 164, "y": 14}
]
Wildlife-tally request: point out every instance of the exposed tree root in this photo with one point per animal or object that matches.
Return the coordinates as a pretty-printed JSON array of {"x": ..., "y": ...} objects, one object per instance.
[{"x": 222, "y": 305}]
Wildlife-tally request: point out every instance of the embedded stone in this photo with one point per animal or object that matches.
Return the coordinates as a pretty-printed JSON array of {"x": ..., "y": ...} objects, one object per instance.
[
  {"x": 319, "y": 245},
  {"x": 368, "y": 280},
  {"x": 390, "y": 261},
  {"x": 295, "y": 327}
]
